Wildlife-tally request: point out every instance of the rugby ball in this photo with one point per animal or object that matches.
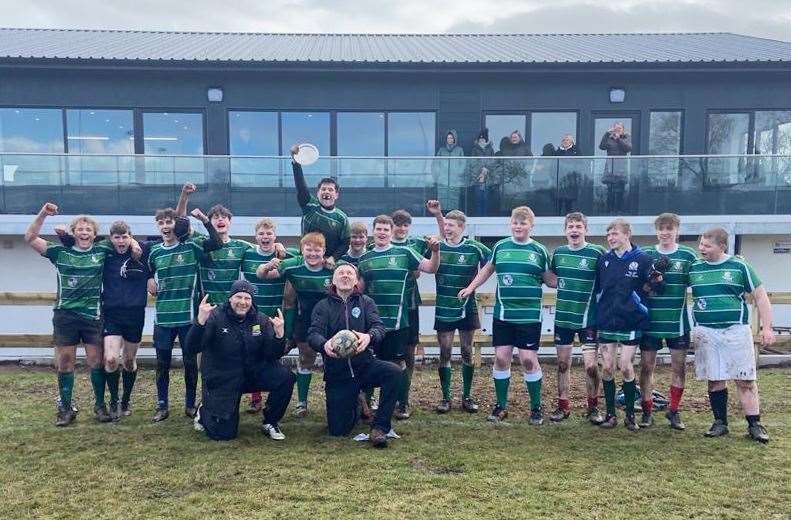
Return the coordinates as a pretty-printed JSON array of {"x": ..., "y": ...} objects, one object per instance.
[{"x": 344, "y": 343}]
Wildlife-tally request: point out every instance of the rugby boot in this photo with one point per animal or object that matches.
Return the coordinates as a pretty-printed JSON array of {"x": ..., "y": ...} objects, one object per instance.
[
  {"x": 403, "y": 412},
  {"x": 609, "y": 422},
  {"x": 646, "y": 420},
  {"x": 498, "y": 414},
  {"x": 630, "y": 421},
  {"x": 126, "y": 409},
  {"x": 559, "y": 415},
  {"x": 101, "y": 413},
  {"x": 301, "y": 410},
  {"x": 718, "y": 429},
  {"x": 161, "y": 415},
  {"x": 443, "y": 406},
  {"x": 536, "y": 417},
  {"x": 675, "y": 420},
  {"x": 594, "y": 416},
  {"x": 65, "y": 416},
  {"x": 469, "y": 405},
  {"x": 756, "y": 431}
]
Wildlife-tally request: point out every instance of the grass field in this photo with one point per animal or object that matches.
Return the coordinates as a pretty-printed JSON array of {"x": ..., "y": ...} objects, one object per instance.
[{"x": 451, "y": 466}]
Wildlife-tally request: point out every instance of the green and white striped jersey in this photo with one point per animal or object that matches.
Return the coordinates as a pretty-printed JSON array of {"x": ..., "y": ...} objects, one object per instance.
[
  {"x": 519, "y": 268},
  {"x": 458, "y": 265},
  {"x": 332, "y": 223},
  {"x": 386, "y": 274},
  {"x": 420, "y": 246},
  {"x": 220, "y": 268},
  {"x": 718, "y": 291},
  {"x": 576, "y": 299},
  {"x": 79, "y": 277},
  {"x": 268, "y": 293},
  {"x": 175, "y": 268},
  {"x": 668, "y": 311},
  {"x": 348, "y": 258},
  {"x": 310, "y": 285}
]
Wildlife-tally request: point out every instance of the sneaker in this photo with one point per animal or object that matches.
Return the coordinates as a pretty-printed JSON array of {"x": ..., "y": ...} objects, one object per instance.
[
  {"x": 498, "y": 414},
  {"x": 718, "y": 429},
  {"x": 758, "y": 432},
  {"x": 559, "y": 415},
  {"x": 594, "y": 416},
  {"x": 609, "y": 422},
  {"x": 102, "y": 415},
  {"x": 469, "y": 405},
  {"x": 65, "y": 416},
  {"x": 190, "y": 411},
  {"x": 115, "y": 412},
  {"x": 443, "y": 406},
  {"x": 302, "y": 410},
  {"x": 646, "y": 420},
  {"x": 255, "y": 407},
  {"x": 378, "y": 438},
  {"x": 273, "y": 432},
  {"x": 196, "y": 422},
  {"x": 675, "y": 420},
  {"x": 161, "y": 415},
  {"x": 126, "y": 409},
  {"x": 631, "y": 423},
  {"x": 536, "y": 417},
  {"x": 402, "y": 413}
]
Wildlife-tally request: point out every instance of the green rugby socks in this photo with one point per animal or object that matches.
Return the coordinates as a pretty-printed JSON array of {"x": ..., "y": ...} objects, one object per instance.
[
  {"x": 502, "y": 380},
  {"x": 445, "y": 375},
  {"x": 98, "y": 381},
  {"x": 533, "y": 382},
  {"x": 65, "y": 387},
  {"x": 467, "y": 371},
  {"x": 304, "y": 375},
  {"x": 289, "y": 315}
]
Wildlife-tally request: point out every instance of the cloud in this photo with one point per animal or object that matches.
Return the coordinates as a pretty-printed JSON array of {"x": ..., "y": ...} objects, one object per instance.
[{"x": 764, "y": 18}]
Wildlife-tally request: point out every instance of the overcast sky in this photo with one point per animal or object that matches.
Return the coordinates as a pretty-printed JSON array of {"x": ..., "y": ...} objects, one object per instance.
[{"x": 764, "y": 18}]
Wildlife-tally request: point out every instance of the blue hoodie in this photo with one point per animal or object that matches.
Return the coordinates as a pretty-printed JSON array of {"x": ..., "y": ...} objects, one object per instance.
[{"x": 622, "y": 302}]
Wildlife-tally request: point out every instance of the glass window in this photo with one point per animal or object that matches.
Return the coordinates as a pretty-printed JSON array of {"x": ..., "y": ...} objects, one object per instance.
[
  {"x": 31, "y": 130},
  {"x": 361, "y": 134},
  {"x": 308, "y": 127},
  {"x": 172, "y": 133},
  {"x": 548, "y": 128},
  {"x": 254, "y": 134},
  {"x": 664, "y": 134},
  {"x": 100, "y": 131},
  {"x": 411, "y": 134},
  {"x": 603, "y": 124},
  {"x": 773, "y": 132},
  {"x": 728, "y": 134},
  {"x": 502, "y": 125}
]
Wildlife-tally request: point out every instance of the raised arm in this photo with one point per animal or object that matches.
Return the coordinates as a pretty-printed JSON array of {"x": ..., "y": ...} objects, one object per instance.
[
  {"x": 202, "y": 330},
  {"x": 764, "y": 315},
  {"x": 186, "y": 190},
  {"x": 434, "y": 208},
  {"x": 31, "y": 235},
  {"x": 303, "y": 196},
  {"x": 625, "y": 143},
  {"x": 269, "y": 270}
]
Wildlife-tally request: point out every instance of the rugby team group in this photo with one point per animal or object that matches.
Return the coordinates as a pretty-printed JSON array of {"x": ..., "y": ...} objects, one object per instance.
[{"x": 243, "y": 306}]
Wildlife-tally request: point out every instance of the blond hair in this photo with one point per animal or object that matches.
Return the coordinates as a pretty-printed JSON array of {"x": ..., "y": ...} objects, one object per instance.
[
  {"x": 523, "y": 213},
  {"x": 359, "y": 228},
  {"x": 266, "y": 223},
  {"x": 88, "y": 220},
  {"x": 621, "y": 224}
]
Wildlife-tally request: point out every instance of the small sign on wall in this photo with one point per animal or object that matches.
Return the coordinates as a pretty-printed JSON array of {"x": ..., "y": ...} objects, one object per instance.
[{"x": 782, "y": 247}]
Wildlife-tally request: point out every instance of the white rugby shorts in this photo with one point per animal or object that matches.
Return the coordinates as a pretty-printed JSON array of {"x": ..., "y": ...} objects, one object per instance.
[{"x": 723, "y": 354}]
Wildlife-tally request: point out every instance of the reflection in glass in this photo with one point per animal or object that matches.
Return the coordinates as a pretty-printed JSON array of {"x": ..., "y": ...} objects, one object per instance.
[
  {"x": 308, "y": 127},
  {"x": 664, "y": 138},
  {"x": 410, "y": 134},
  {"x": 548, "y": 128},
  {"x": 773, "y": 137},
  {"x": 173, "y": 133},
  {"x": 502, "y": 125},
  {"x": 253, "y": 134},
  {"x": 728, "y": 134},
  {"x": 31, "y": 130},
  {"x": 610, "y": 197},
  {"x": 361, "y": 134},
  {"x": 108, "y": 132}
]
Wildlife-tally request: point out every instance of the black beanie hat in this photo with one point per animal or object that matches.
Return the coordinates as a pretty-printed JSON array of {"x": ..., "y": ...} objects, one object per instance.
[
  {"x": 242, "y": 286},
  {"x": 484, "y": 134}
]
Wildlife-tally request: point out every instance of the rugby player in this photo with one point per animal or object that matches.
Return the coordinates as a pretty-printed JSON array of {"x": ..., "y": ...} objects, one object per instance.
[
  {"x": 268, "y": 296},
  {"x": 460, "y": 260},
  {"x": 174, "y": 263},
  {"x": 574, "y": 265},
  {"x": 76, "y": 317},
  {"x": 402, "y": 222},
  {"x": 522, "y": 265},
  {"x": 669, "y": 323},
  {"x": 357, "y": 244},
  {"x": 723, "y": 341},
  {"x": 386, "y": 271},
  {"x": 624, "y": 277},
  {"x": 310, "y": 278}
]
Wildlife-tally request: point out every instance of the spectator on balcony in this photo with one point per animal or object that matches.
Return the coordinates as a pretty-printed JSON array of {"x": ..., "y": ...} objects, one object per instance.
[
  {"x": 509, "y": 171},
  {"x": 480, "y": 174},
  {"x": 617, "y": 143},
  {"x": 569, "y": 178},
  {"x": 449, "y": 174}
]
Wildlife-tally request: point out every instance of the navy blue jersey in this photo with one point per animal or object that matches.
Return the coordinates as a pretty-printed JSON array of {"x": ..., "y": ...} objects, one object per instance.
[
  {"x": 622, "y": 301},
  {"x": 124, "y": 280}
]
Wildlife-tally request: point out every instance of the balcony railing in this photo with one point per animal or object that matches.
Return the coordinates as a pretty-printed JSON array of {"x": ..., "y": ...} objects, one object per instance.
[{"x": 479, "y": 186}]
